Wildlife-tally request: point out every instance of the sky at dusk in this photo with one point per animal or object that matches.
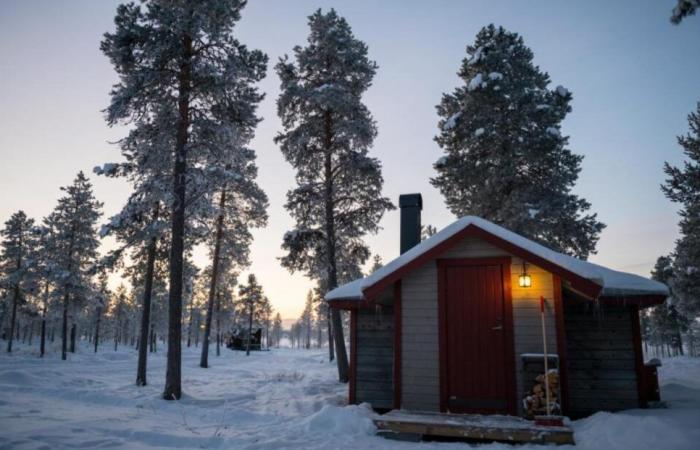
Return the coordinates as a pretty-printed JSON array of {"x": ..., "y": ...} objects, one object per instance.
[{"x": 634, "y": 77}]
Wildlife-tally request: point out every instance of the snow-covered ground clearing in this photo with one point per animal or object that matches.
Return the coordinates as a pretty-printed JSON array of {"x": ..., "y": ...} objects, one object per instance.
[{"x": 278, "y": 399}]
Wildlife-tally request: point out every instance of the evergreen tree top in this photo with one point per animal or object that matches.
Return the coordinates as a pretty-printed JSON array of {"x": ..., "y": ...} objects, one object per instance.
[
  {"x": 506, "y": 159},
  {"x": 327, "y": 135},
  {"x": 683, "y": 184},
  {"x": 17, "y": 249}
]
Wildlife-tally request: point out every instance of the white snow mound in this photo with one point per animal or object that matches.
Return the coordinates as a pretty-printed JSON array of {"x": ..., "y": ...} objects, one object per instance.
[{"x": 351, "y": 420}]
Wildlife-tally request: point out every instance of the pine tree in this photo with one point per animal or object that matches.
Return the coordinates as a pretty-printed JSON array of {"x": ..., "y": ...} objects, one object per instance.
[
  {"x": 277, "y": 330},
  {"x": 44, "y": 274},
  {"x": 683, "y": 9},
  {"x": 683, "y": 186},
  {"x": 73, "y": 246},
  {"x": 100, "y": 302},
  {"x": 666, "y": 322},
  {"x": 327, "y": 135},
  {"x": 427, "y": 231},
  {"x": 18, "y": 243},
  {"x": 180, "y": 67},
  {"x": 505, "y": 157},
  {"x": 307, "y": 318},
  {"x": 241, "y": 206},
  {"x": 251, "y": 302},
  {"x": 377, "y": 264}
]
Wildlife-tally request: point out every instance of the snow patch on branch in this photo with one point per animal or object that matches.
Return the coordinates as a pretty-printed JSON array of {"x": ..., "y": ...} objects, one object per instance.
[
  {"x": 562, "y": 91},
  {"x": 496, "y": 76},
  {"x": 452, "y": 121},
  {"x": 553, "y": 131},
  {"x": 476, "y": 83}
]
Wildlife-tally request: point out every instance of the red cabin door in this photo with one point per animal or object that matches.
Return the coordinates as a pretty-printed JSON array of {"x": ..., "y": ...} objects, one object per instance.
[{"x": 477, "y": 338}]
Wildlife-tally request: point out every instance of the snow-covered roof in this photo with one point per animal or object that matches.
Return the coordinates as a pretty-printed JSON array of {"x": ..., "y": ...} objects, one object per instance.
[{"x": 613, "y": 283}]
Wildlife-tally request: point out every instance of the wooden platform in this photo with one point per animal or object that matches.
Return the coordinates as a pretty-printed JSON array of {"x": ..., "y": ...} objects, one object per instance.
[{"x": 473, "y": 426}]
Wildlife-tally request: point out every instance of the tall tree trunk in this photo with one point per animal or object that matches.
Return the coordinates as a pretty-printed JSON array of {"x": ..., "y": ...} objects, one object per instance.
[
  {"x": 189, "y": 327},
  {"x": 173, "y": 375},
  {"x": 331, "y": 354},
  {"x": 13, "y": 317},
  {"x": 218, "y": 325},
  {"x": 341, "y": 353},
  {"x": 204, "y": 361},
  {"x": 97, "y": 327},
  {"x": 42, "y": 341},
  {"x": 153, "y": 340},
  {"x": 146, "y": 308},
  {"x": 679, "y": 340},
  {"x": 72, "y": 337},
  {"x": 250, "y": 329},
  {"x": 64, "y": 327}
]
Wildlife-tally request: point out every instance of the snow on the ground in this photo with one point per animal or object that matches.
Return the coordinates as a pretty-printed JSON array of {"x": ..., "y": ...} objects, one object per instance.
[{"x": 283, "y": 398}]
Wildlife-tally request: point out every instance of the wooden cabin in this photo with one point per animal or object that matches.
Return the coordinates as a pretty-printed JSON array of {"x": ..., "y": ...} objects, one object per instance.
[{"x": 454, "y": 324}]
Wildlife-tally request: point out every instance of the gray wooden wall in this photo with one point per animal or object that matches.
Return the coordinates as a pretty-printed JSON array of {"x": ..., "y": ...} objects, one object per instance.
[
  {"x": 601, "y": 358},
  {"x": 375, "y": 357}
]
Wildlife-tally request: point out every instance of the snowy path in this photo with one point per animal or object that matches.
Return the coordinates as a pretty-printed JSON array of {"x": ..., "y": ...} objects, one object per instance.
[{"x": 279, "y": 399}]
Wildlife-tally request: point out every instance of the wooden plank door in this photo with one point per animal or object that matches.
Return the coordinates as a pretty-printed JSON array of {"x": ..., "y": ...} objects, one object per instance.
[{"x": 477, "y": 334}]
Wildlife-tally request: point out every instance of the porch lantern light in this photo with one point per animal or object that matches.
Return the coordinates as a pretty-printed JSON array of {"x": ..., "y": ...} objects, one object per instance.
[{"x": 524, "y": 280}]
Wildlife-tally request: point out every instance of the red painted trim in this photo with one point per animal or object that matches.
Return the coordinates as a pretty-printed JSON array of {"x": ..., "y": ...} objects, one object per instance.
[
  {"x": 561, "y": 344},
  {"x": 442, "y": 334},
  {"x": 638, "y": 355},
  {"x": 397, "y": 345},
  {"x": 490, "y": 261},
  {"x": 578, "y": 283},
  {"x": 509, "y": 337},
  {"x": 640, "y": 300},
  {"x": 505, "y": 263},
  {"x": 352, "y": 388},
  {"x": 349, "y": 304}
]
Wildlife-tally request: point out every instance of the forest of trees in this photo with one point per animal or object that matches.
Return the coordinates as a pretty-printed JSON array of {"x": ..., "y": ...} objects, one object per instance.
[{"x": 188, "y": 93}]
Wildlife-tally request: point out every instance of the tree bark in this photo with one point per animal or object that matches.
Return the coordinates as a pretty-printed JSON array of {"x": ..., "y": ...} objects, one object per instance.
[
  {"x": 250, "y": 329},
  {"x": 97, "y": 327},
  {"x": 341, "y": 353},
  {"x": 64, "y": 327},
  {"x": 72, "y": 338},
  {"x": 331, "y": 354},
  {"x": 189, "y": 327},
  {"x": 146, "y": 308},
  {"x": 42, "y": 345},
  {"x": 204, "y": 361},
  {"x": 173, "y": 375},
  {"x": 13, "y": 317},
  {"x": 218, "y": 324}
]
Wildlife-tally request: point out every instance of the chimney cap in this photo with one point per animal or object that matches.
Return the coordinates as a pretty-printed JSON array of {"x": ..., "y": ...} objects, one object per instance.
[{"x": 410, "y": 200}]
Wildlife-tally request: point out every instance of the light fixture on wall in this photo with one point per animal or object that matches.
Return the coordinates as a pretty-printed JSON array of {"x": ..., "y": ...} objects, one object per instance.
[{"x": 524, "y": 280}]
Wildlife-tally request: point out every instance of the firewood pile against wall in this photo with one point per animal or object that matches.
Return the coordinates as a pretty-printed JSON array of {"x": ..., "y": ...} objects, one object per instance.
[{"x": 535, "y": 401}]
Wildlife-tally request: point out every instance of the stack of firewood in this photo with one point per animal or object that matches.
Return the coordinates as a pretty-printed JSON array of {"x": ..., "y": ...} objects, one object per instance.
[{"x": 535, "y": 401}]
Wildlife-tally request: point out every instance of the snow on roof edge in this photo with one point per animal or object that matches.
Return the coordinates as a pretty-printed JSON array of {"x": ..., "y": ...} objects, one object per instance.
[{"x": 614, "y": 283}]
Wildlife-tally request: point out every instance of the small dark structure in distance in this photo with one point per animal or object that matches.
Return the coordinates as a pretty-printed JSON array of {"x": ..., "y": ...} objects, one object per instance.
[{"x": 238, "y": 340}]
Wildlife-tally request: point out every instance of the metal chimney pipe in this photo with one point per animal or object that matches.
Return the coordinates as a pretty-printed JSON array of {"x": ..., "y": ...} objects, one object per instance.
[{"x": 411, "y": 206}]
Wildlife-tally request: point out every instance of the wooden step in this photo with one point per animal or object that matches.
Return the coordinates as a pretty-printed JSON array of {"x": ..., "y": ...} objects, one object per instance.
[{"x": 473, "y": 427}]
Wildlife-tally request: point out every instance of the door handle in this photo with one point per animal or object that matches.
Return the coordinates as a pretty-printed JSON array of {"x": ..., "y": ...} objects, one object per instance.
[{"x": 499, "y": 324}]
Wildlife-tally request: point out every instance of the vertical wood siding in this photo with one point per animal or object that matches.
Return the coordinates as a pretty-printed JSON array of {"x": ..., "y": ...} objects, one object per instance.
[
  {"x": 420, "y": 358},
  {"x": 375, "y": 357},
  {"x": 601, "y": 358}
]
